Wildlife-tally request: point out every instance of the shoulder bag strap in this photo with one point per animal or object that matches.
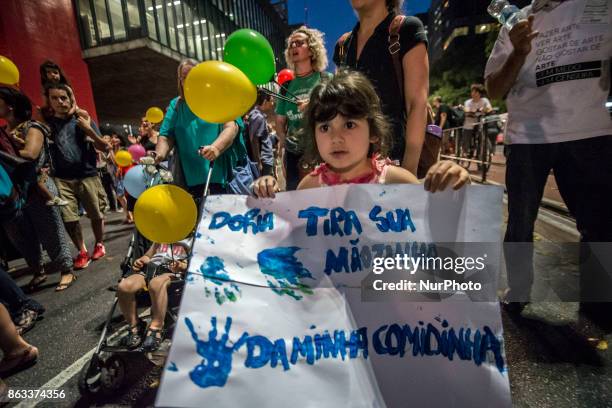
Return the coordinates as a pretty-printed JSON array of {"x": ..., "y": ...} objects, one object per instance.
[{"x": 394, "y": 47}]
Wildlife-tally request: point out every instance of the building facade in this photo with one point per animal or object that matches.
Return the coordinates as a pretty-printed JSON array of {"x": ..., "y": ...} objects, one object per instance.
[
  {"x": 121, "y": 55},
  {"x": 450, "y": 19}
]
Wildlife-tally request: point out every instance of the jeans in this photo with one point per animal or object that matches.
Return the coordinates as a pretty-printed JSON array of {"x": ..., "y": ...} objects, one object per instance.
[
  {"x": 109, "y": 187},
  {"x": 583, "y": 171},
  {"x": 38, "y": 224},
  {"x": 13, "y": 297}
]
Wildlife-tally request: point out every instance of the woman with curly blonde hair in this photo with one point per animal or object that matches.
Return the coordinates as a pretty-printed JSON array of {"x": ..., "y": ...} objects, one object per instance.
[{"x": 306, "y": 55}]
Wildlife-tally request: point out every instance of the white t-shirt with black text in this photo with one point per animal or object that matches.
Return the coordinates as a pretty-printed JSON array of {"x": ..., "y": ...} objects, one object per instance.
[{"x": 561, "y": 90}]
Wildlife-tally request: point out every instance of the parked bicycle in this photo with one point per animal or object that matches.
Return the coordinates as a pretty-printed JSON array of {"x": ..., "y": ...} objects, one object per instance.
[{"x": 479, "y": 148}]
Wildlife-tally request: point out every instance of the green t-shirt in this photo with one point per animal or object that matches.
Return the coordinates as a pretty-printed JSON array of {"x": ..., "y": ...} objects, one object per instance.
[
  {"x": 300, "y": 87},
  {"x": 189, "y": 133}
]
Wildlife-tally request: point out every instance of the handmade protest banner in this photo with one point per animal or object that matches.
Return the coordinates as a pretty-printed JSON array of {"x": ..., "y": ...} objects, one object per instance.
[{"x": 274, "y": 312}]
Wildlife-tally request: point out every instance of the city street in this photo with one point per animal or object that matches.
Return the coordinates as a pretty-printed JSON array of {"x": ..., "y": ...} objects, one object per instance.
[
  {"x": 171, "y": 102},
  {"x": 555, "y": 358},
  {"x": 72, "y": 325}
]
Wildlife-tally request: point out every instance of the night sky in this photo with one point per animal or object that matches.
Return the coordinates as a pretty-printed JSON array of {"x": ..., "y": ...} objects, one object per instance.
[{"x": 335, "y": 17}]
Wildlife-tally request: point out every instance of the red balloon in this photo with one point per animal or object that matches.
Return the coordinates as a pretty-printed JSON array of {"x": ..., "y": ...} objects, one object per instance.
[{"x": 284, "y": 76}]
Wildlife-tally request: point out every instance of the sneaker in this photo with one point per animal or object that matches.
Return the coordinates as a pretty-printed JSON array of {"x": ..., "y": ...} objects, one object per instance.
[
  {"x": 56, "y": 202},
  {"x": 99, "y": 251},
  {"x": 82, "y": 260}
]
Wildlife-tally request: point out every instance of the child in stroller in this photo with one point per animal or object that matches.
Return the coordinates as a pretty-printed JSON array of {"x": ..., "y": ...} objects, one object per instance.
[{"x": 154, "y": 271}]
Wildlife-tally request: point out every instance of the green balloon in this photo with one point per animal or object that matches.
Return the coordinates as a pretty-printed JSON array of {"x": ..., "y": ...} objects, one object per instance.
[{"x": 250, "y": 52}]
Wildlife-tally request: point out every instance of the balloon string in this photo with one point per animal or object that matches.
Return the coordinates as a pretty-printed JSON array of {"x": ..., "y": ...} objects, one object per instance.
[
  {"x": 286, "y": 90},
  {"x": 278, "y": 96}
]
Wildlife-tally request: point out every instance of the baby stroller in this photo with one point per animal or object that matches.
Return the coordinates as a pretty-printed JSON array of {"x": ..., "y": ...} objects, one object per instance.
[
  {"x": 111, "y": 362},
  {"x": 107, "y": 369}
]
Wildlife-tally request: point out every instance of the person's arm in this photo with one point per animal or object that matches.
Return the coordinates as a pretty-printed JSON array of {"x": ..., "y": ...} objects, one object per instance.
[
  {"x": 84, "y": 122},
  {"x": 146, "y": 258},
  {"x": 74, "y": 108},
  {"x": 416, "y": 87},
  {"x": 222, "y": 142},
  {"x": 162, "y": 148},
  {"x": 309, "y": 182},
  {"x": 33, "y": 144},
  {"x": 165, "y": 139},
  {"x": 487, "y": 106},
  {"x": 399, "y": 175},
  {"x": 499, "y": 83}
]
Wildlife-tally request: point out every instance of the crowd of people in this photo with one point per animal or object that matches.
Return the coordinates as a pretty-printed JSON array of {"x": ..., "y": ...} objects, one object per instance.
[{"x": 367, "y": 123}]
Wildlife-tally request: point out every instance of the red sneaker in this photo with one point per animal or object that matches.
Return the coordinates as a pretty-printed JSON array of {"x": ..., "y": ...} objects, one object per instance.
[
  {"x": 99, "y": 251},
  {"x": 82, "y": 260}
]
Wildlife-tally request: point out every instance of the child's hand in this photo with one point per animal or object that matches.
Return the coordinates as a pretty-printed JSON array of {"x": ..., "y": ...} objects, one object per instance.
[
  {"x": 444, "y": 172},
  {"x": 83, "y": 119},
  {"x": 265, "y": 186},
  {"x": 18, "y": 141},
  {"x": 178, "y": 266},
  {"x": 140, "y": 263}
]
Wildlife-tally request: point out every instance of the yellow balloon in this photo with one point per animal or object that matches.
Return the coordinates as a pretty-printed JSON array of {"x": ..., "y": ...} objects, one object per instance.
[
  {"x": 123, "y": 158},
  {"x": 218, "y": 92},
  {"x": 165, "y": 214},
  {"x": 154, "y": 114},
  {"x": 9, "y": 74}
]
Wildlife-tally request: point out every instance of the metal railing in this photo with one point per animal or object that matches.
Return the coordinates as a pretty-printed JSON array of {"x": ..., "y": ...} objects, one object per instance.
[{"x": 476, "y": 147}]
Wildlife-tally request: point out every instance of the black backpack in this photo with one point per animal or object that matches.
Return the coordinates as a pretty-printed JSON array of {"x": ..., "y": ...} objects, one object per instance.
[{"x": 456, "y": 117}]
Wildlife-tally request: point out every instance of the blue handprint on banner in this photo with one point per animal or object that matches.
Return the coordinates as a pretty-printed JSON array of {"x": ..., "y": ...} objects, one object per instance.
[
  {"x": 213, "y": 268},
  {"x": 216, "y": 355},
  {"x": 286, "y": 270}
]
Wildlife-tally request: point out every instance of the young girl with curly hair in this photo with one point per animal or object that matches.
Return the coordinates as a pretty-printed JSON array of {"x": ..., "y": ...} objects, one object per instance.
[{"x": 347, "y": 133}]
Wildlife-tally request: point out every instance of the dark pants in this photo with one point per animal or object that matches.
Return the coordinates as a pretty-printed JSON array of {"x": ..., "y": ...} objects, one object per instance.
[
  {"x": 109, "y": 187},
  {"x": 13, "y": 297},
  {"x": 292, "y": 163},
  {"x": 583, "y": 171}
]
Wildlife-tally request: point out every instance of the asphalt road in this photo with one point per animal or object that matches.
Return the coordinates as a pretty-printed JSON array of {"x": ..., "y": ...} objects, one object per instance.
[
  {"x": 73, "y": 320},
  {"x": 551, "y": 352}
]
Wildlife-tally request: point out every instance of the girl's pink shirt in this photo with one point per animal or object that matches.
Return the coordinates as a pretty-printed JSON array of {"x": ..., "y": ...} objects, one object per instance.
[{"x": 327, "y": 177}]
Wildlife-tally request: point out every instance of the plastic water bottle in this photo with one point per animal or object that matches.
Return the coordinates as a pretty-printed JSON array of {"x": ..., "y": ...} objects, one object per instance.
[{"x": 506, "y": 13}]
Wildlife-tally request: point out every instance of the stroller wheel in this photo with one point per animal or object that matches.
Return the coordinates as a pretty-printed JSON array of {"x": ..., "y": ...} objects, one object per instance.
[
  {"x": 89, "y": 378},
  {"x": 113, "y": 373}
]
